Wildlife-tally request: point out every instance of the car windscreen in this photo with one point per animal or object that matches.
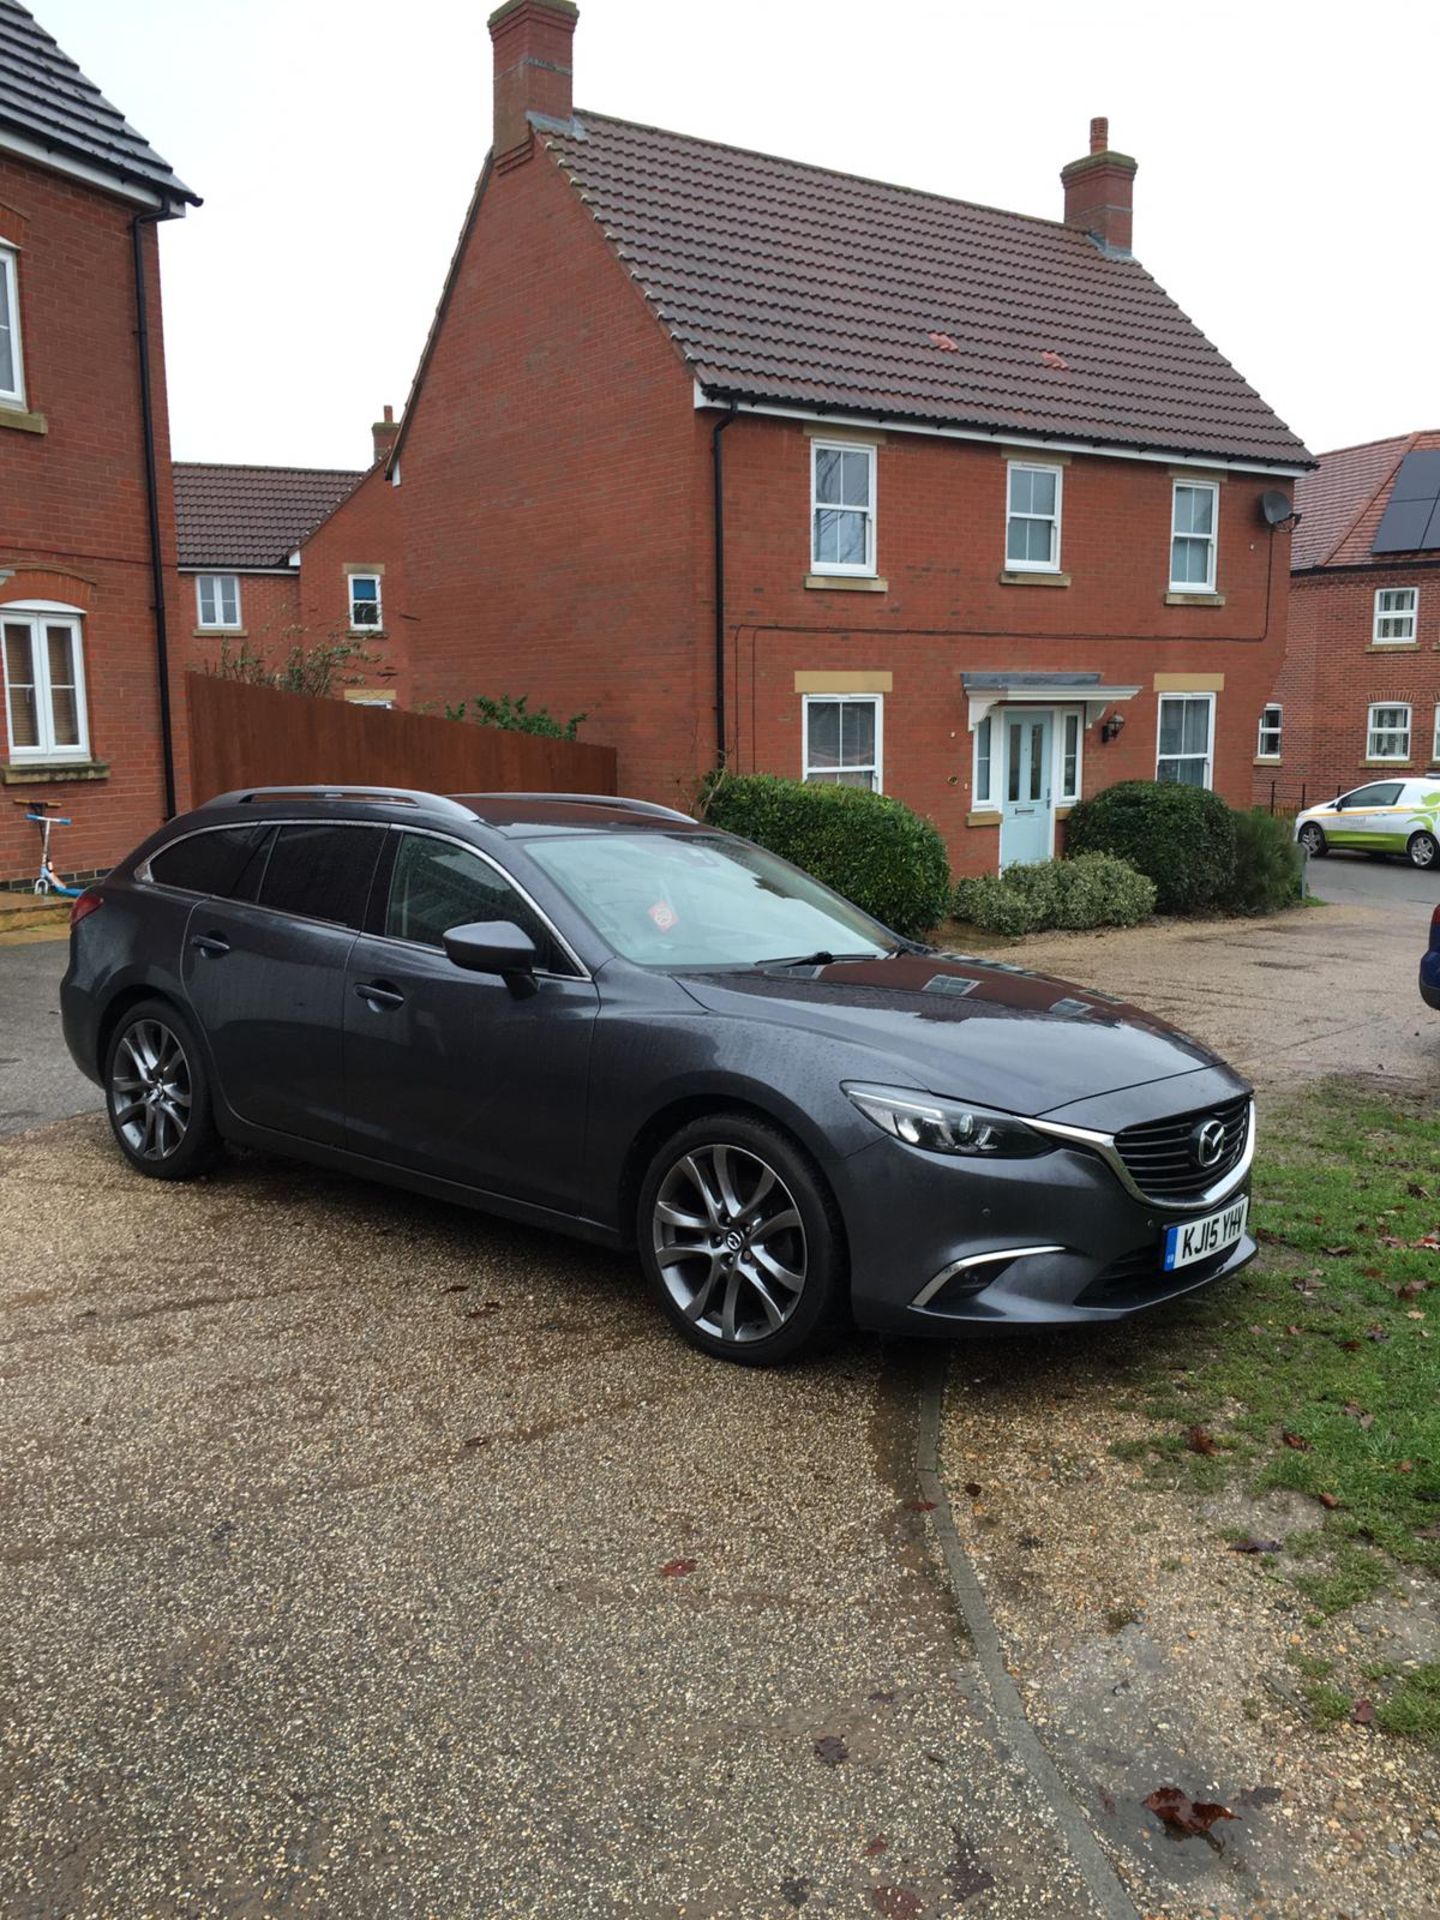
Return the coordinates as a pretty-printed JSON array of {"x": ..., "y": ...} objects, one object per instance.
[{"x": 698, "y": 900}]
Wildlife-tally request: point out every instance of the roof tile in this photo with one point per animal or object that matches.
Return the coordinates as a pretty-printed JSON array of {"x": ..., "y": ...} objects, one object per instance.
[
  {"x": 1341, "y": 503},
  {"x": 252, "y": 517}
]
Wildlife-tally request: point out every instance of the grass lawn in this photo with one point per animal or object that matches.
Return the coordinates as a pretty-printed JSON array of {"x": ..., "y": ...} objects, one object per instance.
[{"x": 1318, "y": 1370}]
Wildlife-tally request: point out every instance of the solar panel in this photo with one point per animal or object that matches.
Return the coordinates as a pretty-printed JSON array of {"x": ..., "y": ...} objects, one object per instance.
[{"x": 1411, "y": 520}]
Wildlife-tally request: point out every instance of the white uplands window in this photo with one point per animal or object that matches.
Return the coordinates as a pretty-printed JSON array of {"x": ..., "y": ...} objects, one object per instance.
[
  {"x": 843, "y": 740},
  {"x": 1070, "y": 732},
  {"x": 1396, "y": 610},
  {"x": 1186, "y": 745},
  {"x": 44, "y": 684},
  {"x": 983, "y": 788},
  {"x": 842, "y": 508},
  {"x": 365, "y": 612},
  {"x": 217, "y": 600},
  {"x": 12, "y": 368},
  {"x": 1387, "y": 733},
  {"x": 1267, "y": 741},
  {"x": 1193, "y": 533},
  {"x": 1032, "y": 518}
]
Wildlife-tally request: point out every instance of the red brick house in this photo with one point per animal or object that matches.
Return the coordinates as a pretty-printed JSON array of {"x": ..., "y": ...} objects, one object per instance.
[
  {"x": 758, "y": 462},
  {"x": 87, "y": 533},
  {"x": 1358, "y": 695}
]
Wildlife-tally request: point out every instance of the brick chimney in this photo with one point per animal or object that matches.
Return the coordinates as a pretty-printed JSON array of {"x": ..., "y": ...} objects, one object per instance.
[
  {"x": 1100, "y": 191},
  {"x": 385, "y": 433},
  {"x": 533, "y": 51}
]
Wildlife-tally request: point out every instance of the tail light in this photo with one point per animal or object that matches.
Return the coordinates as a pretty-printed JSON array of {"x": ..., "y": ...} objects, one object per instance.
[
  {"x": 1435, "y": 928},
  {"x": 85, "y": 905}
]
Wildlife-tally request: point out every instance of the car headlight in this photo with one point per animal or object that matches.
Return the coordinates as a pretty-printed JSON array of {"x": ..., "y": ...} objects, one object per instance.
[{"x": 948, "y": 1126}]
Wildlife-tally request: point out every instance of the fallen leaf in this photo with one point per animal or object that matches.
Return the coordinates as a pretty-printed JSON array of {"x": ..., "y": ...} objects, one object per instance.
[
  {"x": 1329, "y": 1500},
  {"x": 1252, "y": 1544},
  {"x": 896, "y": 1903},
  {"x": 878, "y": 1845},
  {"x": 461, "y": 1286},
  {"x": 1296, "y": 1441},
  {"x": 1405, "y": 1466},
  {"x": 1307, "y": 1283},
  {"x": 1416, "y": 1191},
  {"x": 1362, "y": 1713},
  {"x": 1335, "y": 1252},
  {"x": 831, "y": 1749},
  {"x": 1377, "y": 1333},
  {"x": 1201, "y": 1440},
  {"x": 1430, "y": 1241},
  {"x": 675, "y": 1569},
  {"x": 1411, "y": 1290},
  {"x": 1294, "y": 1330},
  {"x": 919, "y": 1506},
  {"x": 974, "y": 1489},
  {"x": 1177, "y": 1810}
]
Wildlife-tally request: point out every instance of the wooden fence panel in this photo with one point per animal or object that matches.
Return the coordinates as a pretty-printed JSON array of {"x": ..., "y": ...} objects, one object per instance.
[{"x": 248, "y": 736}]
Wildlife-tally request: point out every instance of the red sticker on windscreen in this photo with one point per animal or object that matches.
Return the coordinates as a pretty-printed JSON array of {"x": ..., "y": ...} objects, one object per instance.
[{"x": 664, "y": 915}]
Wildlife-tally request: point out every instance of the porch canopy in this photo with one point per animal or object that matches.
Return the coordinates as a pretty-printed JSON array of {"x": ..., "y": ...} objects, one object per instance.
[{"x": 987, "y": 690}]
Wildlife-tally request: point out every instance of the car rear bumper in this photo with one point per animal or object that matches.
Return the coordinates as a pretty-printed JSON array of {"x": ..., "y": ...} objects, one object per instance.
[{"x": 1430, "y": 979}]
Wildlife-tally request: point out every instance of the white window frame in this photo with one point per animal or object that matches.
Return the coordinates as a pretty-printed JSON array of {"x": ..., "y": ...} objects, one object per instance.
[
  {"x": 1268, "y": 726},
  {"x": 1213, "y": 542},
  {"x": 12, "y": 396},
  {"x": 1435, "y": 743},
  {"x": 821, "y": 775},
  {"x": 377, "y": 625},
  {"x": 40, "y": 614},
  {"x": 866, "y": 569},
  {"x": 987, "y": 801},
  {"x": 1375, "y": 734},
  {"x": 1390, "y": 616},
  {"x": 1208, "y": 756},
  {"x": 217, "y": 625},
  {"x": 1065, "y": 717},
  {"x": 1052, "y": 565}
]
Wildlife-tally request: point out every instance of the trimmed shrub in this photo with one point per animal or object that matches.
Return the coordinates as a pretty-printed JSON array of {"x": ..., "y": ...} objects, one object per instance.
[
  {"x": 1182, "y": 837},
  {"x": 1268, "y": 864},
  {"x": 867, "y": 846},
  {"x": 1092, "y": 890}
]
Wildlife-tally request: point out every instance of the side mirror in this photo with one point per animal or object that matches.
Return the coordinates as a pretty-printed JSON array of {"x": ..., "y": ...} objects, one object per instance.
[{"x": 494, "y": 946}]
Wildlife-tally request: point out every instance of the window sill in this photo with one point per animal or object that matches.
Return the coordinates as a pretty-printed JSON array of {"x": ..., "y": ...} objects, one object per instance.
[
  {"x": 1023, "y": 578},
  {"x": 846, "y": 583},
  {"x": 1393, "y": 646},
  {"x": 1266, "y": 760},
  {"x": 222, "y": 633},
  {"x": 38, "y": 773},
  {"x": 983, "y": 817},
  {"x": 23, "y": 422},
  {"x": 1174, "y": 599},
  {"x": 1397, "y": 764},
  {"x": 368, "y": 633}
]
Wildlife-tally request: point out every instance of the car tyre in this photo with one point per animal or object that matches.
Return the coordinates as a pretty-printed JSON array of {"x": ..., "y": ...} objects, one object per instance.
[
  {"x": 1423, "y": 850},
  {"x": 741, "y": 1241},
  {"x": 1312, "y": 838},
  {"x": 157, "y": 1094}
]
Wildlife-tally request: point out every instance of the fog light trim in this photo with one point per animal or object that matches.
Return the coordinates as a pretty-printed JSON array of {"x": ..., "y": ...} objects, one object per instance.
[{"x": 1001, "y": 1257}]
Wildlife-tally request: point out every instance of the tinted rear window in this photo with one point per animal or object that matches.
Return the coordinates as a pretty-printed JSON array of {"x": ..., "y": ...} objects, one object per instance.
[
  {"x": 322, "y": 872},
  {"x": 226, "y": 862}
]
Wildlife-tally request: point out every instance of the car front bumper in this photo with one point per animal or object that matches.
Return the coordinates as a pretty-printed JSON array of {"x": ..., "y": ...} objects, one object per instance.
[{"x": 946, "y": 1245}]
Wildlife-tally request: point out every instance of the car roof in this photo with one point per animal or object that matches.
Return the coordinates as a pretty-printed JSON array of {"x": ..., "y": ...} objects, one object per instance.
[{"x": 513, "y": 814}]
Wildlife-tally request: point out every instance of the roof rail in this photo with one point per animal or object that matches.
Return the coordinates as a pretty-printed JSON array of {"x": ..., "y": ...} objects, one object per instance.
[
  {"x": 381, "y": 796},
  {"x": 626, "y": 804}
]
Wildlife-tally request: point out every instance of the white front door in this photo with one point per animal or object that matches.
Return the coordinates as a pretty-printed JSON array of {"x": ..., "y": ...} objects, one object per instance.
[{"x": 1027, "y": 814}]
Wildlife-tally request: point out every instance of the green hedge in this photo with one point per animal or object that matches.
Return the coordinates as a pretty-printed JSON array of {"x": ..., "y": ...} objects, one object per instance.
[
  {"x": 1093, "y": 890},
  {"x": 865, "y": 845},
  {"x": 1269, "y": 866},
  {"x": 1183, "y": 837}
]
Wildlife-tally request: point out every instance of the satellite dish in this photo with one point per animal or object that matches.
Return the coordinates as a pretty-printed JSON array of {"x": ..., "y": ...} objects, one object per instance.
[{"x": 1275, "y": 508}]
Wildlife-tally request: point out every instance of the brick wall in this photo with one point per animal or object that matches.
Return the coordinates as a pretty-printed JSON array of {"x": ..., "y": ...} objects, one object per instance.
[
  {"x": 1333, "y": 672},
  {"x": 73, "y": 523},
  {"x": 363, "y": 535},
  {"x": 270, "y": 621}
]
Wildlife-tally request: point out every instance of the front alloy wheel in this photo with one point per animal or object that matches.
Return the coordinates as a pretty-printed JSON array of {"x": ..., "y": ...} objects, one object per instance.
[
  {"x": 1312, "y": 838},
  {"x": 1423, "y": 849}
]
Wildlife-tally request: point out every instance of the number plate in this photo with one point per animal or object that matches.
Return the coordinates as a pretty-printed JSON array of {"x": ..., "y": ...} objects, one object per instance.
[{"x": 1198, "y": 1239}]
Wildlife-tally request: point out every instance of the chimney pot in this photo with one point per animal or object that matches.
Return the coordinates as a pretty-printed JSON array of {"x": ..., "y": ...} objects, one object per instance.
[
  {"x": 534, "y": 49},
  {"x": 1100, "y": 191}
]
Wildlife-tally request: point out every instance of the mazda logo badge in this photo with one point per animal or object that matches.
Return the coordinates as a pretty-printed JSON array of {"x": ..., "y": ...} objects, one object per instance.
[{"x": 1207, "y": 1143}]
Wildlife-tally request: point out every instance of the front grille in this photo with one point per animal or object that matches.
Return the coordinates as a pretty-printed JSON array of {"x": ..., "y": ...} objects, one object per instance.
[
  {"x": 1137, "y": 1279},
  {"x": 1160, "y": 1159}
]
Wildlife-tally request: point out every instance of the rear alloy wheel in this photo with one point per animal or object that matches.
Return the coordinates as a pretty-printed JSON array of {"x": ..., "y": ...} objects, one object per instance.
[
  {"x": 157, "y": 1094},
  {"x": 1423, "y": 849},
  {"x": 740, "y": 1240},
  {"x": 1312, "y": 838}
]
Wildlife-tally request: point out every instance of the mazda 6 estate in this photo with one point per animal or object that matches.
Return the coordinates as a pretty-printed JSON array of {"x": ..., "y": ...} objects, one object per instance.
[{"x": 604, "y": 1017}]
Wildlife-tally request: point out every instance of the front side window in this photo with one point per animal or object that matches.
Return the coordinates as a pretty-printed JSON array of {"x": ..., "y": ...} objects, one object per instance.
[
  {"x": 12, "y": 372},
  {"x": 1396, "y": 609},
  {"x": 842, "y": 741},
  {"x": 1193, "y": 536},
  {"x": 1069, "y": 758},
  {"x": 1387, "y": 736},
  {"x": 218, "y": 599},
  {"x": 1032, "y": 524},
  {"x": 320, "y": 871},
  {"x": 437, "y": 885},
  {"x": 44, "y": 685},
  {"x": 1267, "y": 743},
  {"x": 842, "y": 537},
  {"x": 1186, "y": 748},
  {"x": 702, "y": 900},
  {"x": 364, "y": 600},
  {"x": 983, "y": 787},
  {"x": 1384, "y": 794}
]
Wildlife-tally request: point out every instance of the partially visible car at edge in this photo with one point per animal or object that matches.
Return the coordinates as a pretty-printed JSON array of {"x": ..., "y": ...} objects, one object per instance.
[
  {"x": 606, "y": 1018},
  {"x": 1400, "y": 816},
  {"x": 1430, "y": 965}
]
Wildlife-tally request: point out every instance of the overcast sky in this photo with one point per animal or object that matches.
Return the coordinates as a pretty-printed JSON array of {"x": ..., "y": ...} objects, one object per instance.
[{"x": 1286, "y": 193}]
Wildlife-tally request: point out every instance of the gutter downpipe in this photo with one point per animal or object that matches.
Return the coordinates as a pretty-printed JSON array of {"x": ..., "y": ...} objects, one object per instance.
[
  {"x": 717, "y": 458},
  {"x": 152, "y": 507}
]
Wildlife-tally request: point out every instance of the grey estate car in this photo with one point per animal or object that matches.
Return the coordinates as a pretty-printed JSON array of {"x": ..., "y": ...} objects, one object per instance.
[{"x": 605, "y": 1017}]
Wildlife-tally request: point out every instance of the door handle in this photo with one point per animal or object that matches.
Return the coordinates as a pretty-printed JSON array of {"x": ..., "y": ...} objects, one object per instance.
[
  {"x": 211, "y": 944},
  {"x": 377, "y": 995}
]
